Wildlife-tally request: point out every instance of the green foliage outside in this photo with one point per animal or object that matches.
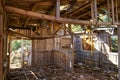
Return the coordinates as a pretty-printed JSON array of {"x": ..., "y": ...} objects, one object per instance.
[
  {"x": 76, "y": 28},
  {"x": 104, "y": 17},
  {"x": 114, "y": 43},
  {"x": 16, "y": 44}
]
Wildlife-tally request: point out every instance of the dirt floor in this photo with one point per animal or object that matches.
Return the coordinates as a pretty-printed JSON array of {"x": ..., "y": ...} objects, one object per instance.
[{"x": 81, "y": 72}]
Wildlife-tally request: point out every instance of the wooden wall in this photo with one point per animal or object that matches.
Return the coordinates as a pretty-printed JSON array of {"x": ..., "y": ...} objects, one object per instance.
[
  {"x": 42, "y": 58},
  {"x": 100, "y": 57},
  {"x": 64, "y": 60},
  {"x": 45, "y": 53},
  {"x": 41, "y": 51}
]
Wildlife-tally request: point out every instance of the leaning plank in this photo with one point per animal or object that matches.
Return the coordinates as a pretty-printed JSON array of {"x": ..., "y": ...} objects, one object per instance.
[{"x": 52, "y": 18}]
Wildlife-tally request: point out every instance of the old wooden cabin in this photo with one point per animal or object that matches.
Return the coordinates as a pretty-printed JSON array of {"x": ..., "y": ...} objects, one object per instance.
[{"x": 69, "y": 39}]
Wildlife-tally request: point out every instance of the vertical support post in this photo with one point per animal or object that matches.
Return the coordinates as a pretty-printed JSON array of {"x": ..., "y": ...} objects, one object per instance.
[
  {"x": 95, "y": 7},
  {"x": 33, "y": 52},
  {"x": 113, "y": 12},
  {"x": 64, "y": 26},
  {"x": 118, "y": 28},
  {"x": 57, "y": 9},
  {"x": 52, "y": 28},
  {"x": 108, "y": 8},
  {"x": 92, "y": 46},
  {"x": 92, "y": 11},
  {"x": 9, "y": 43},
  {"x": 116, "y": 10},
  {"x": 22, "y": 57},
  {"x": 71, "y": 53},
  {"x": 1, "y": 39}
]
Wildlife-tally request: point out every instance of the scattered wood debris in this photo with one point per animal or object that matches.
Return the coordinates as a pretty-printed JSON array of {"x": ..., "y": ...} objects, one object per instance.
[{"x": 81, "y": 72}]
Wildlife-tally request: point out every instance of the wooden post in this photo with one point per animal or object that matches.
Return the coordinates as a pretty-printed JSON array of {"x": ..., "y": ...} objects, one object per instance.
[
  {"x": 52, "y": 28},
  {"x": 57, "y": 9},
  {"x": 113, "y": 12},
  {"x": 71, "y": 52},
  {"x": 1, "y": 40},
  {"x": 108, "y": 8},
  {"x": 118, "y": 52},
  {"x": 9, "y": 50},
  {"x": 116, "y": 10},
  {"x": 22, "y": 55},
  {"x": 64, "y": 28},
  {"x": 92, "y": 11},
  {"x": 95, "y": 10}
]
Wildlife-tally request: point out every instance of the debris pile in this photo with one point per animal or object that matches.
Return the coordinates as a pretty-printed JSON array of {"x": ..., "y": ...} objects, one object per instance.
[{"x": 81, "y": 72}]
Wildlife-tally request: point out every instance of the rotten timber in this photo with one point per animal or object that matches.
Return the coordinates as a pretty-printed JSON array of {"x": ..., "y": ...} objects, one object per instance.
[{"x": 52, "y": 18}]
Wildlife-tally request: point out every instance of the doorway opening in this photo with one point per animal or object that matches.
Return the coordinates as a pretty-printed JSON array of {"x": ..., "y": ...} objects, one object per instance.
[{"x": 21, "y": 54}]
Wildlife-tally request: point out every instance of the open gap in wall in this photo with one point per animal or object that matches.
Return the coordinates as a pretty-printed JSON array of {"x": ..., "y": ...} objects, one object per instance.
[
  {"x": 113, "y": 56},
  {"x": 20, "y": 53}
]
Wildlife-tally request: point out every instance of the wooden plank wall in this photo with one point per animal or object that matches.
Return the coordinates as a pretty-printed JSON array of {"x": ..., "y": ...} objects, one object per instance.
[
  {"x": 64, "y": 60},
  {"x": 41, "y": 31},
  {"x": 42, "y": 58},
  {"x": 101, "y": 57},
  {"x": 57, "y": 43},
  {"x": 41, "y": 51}
]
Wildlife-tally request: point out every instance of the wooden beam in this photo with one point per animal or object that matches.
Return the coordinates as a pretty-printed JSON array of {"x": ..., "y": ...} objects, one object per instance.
[
  {"x": 39, "y": 2},
  {"x": 25, "y": 0},
  {"x": 87, "y": 5},
  {"x": 118, "y": 30},
  {"x": 44, "y": 3},
  {"x": 57, "y": 9},
  {"x": 92, "y": 11},
  {"x": 83, "y": 15},
  {"x": 14, "y": 27},
  {"x": 69, "y": 12},
  {"x": 52, "y": 18},
  {"x": 57, "y": 30},
  {"x": 18, "y": 34},
  {"x": 27, "y": 20},
  {"x": 64, "y": 27}
]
